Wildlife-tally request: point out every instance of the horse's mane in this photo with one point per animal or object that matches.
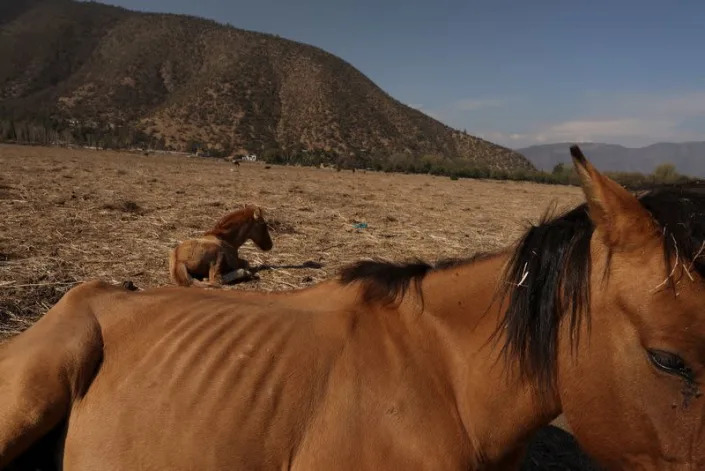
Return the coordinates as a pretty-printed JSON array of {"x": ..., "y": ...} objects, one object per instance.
[
  {"x": 230, "y": 221},
  {"x": 548, "y": 275},
  {"x": 386, "y": 282}
]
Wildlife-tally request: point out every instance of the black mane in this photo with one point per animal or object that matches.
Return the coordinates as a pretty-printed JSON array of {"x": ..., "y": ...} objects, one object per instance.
[
  {"x": 548, "y": 275},
  {"x": 384, "y": 281}
]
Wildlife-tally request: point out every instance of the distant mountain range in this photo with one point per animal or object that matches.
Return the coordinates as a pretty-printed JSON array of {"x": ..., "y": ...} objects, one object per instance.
[{"x": 688, "y": 157}]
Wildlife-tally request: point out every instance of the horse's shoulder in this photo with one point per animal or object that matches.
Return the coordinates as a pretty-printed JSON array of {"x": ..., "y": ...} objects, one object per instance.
[
  {"x": 90, "y": 289},
  {"x": 208, "y": 239}
]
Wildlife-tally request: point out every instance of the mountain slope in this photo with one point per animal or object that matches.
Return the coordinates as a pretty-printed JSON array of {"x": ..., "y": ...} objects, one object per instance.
[
  {"x": 688, "y": 157},
  {"x": 178, "y": 81}
]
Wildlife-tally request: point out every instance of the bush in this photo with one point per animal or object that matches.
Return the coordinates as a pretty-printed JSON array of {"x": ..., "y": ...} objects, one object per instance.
[{"x": 666, "y": 173}]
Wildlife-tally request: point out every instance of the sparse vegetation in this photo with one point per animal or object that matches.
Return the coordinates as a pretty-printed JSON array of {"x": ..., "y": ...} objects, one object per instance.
[
  {"x": 457, "y": 168},
  {"x": 94, "y": 75},
  {"x": 666, "y": 173}
]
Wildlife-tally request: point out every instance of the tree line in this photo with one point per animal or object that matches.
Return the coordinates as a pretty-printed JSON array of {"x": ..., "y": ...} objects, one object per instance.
[
  {"x": 48, "y": 132},
  {"x": 561, "y": 174}
]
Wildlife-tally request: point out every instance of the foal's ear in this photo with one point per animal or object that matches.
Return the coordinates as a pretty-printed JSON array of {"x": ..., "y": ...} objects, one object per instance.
[
  {"x": 618, "y": 216},
  {"x": 257, "y": 214}
]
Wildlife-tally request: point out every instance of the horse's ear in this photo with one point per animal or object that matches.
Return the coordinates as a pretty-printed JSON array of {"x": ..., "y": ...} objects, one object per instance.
[
  {"x": 618, "y": 215},
  {"x": 257, "y": 214}
]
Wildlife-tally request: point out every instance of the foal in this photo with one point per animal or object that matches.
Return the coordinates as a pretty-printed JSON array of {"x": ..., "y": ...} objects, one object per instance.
[{"x": 214, "y": 255}]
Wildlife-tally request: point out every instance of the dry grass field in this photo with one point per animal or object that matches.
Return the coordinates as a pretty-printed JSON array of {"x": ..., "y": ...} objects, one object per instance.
[{"x": 68, "y": 215}]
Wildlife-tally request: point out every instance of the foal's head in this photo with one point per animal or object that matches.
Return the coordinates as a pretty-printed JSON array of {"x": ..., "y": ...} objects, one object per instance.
[
  {"x": 259, "y": 231},
  {"x": 246, "y": 223},
  {"x": 629, "y": 374}
]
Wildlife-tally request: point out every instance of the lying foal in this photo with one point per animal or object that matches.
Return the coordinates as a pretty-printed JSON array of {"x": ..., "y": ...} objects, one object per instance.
[{"x": 214, "y": 255}]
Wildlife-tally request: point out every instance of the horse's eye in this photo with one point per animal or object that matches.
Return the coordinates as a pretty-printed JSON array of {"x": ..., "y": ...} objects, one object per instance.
[{"x": 670, "y": 363}]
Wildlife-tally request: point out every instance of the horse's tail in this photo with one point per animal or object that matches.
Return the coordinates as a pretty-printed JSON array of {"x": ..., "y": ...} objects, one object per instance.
[{"x": 177, "y": 270}]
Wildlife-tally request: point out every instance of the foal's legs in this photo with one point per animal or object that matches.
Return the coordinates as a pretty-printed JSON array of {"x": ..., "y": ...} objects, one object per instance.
[
  {"x": 239, "y": 267},
  {"x": 177, "y": 269},
  {"x": 214, "y": 274},
  {"x": 235, "y": 275}
]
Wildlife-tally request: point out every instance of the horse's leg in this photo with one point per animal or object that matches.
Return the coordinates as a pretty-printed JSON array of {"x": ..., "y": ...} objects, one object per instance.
[
  {"x": 240, "y": 267},
  {"x": 45, "y": 369},
  {"x": 177, "y": 270},
  {"x": 214, "y": 274},
  {"x": 236, "y": 275}
]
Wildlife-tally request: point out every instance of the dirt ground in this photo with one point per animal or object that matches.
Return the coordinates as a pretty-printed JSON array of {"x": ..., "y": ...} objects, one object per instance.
[{"x": 68, "y": 215}]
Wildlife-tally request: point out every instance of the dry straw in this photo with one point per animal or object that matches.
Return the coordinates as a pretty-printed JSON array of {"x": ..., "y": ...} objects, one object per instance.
[{"x": 73, "y": 215}]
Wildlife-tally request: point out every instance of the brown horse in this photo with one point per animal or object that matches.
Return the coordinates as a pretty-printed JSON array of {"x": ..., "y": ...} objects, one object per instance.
[
  {"x": 597, "y": 314},
  {"x": 214, "y": 255}
]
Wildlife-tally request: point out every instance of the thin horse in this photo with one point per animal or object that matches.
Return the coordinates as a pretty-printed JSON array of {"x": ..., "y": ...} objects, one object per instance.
[
  {"x": 215, "y": 254},
  {"x": 596, "y": 314}
]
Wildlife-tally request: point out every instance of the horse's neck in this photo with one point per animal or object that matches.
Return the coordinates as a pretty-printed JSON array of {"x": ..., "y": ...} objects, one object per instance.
[
  {"x": 498, "y": 409},
  {"x": 237, "y": 235}
]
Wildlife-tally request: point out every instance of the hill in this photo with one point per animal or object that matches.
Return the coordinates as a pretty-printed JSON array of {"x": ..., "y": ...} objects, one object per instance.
[
  {"x": 106, "y": 76},
  {"x": 688, "y": 157}
]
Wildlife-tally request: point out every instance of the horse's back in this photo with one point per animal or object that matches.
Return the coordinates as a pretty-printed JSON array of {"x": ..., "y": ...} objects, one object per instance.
[
  {"x": 207, "y": 379},
  {"x": 236, "y": 369}
]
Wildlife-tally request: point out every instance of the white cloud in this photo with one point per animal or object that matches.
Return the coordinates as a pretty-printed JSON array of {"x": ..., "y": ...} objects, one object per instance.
[
  {"x": 627, "y": 119},
  {"x": 627, "y": 131},
  {"x": 631, "y": 119},
  {"x": 540, "y": 138},
  {"x": 634, "y": 132},
  {"x": 587, "y": 130}
]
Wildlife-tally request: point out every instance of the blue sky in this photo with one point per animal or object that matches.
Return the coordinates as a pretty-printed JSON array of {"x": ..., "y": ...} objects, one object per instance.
[{"x": 516, "y": 73}]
